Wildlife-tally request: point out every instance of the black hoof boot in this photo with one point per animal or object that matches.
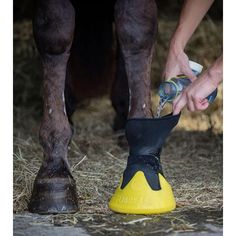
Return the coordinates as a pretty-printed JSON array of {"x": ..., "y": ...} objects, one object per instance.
[
  {"x": 146, "y": 138},
  {"x": 143, "y": 188},
  {"x": 54, "y": 192}
]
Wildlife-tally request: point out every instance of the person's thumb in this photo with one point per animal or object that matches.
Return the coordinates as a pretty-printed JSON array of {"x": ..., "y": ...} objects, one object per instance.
[
  {"x": 168, "y": 74},
  {"x": 188, "y": 72}
]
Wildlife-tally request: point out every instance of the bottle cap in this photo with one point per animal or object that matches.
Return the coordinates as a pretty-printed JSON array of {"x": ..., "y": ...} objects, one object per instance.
[{"x": 195, "y": 66}]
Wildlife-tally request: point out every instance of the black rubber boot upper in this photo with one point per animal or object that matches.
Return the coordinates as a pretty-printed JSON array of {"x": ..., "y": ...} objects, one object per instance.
[{"x": 146, "y": 138}]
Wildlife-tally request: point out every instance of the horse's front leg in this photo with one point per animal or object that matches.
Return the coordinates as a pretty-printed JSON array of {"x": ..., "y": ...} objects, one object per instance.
[
  {"x": 143, "y": 189},
  {"x": 136, "y": 23},
  {"x": 54, "y": 187}
]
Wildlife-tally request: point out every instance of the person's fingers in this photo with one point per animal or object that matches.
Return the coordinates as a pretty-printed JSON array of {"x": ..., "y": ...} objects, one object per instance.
[
  {"x": 169, "y": 74},
  {"x": 180, "y": 69},
  {"x": 176, "y": 100},
  {"x": 202, "y": 105},
  {"x": 188, "y": 72},
  {"x": 179, "y": 104},
  {"x": 190, "y": 105}
]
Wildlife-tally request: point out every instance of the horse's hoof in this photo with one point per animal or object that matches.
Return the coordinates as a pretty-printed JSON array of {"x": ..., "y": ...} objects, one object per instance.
[
  {"x": 144, "y": 189},
  {"x": 137, "y": 197},
  {"x": 54, "y": 195}
]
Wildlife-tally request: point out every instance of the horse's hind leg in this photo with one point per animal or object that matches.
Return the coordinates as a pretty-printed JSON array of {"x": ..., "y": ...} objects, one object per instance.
[
  {"x": 120, "y": 92},
  {"x": 54, "y": 187}
]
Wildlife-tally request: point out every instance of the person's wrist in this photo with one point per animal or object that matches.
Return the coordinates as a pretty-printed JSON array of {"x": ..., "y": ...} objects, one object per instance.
[
  {"x": 215, "y": 76},
  {"x": 178, "y": 41},
  {"x": 176, "y": 47}
]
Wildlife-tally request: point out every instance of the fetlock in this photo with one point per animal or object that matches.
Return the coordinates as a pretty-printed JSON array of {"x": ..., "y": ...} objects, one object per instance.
[{"x": 54, "y": 189}]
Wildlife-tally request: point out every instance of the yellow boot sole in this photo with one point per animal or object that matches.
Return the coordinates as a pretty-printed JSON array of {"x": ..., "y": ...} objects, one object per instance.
[{"x": 138, "y": 198}]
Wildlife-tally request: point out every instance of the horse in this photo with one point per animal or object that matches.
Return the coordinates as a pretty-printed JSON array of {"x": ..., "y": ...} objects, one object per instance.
[{"x": 86, "y": 48}]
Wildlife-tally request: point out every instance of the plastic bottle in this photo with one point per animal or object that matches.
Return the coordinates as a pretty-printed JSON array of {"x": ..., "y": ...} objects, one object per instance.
[{"x": 171, "y": 88}]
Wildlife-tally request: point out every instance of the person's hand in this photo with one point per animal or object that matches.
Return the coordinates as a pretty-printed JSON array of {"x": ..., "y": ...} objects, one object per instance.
[
  {"x": 177, "y": 63},
  {"x": 194, "y": 96}
]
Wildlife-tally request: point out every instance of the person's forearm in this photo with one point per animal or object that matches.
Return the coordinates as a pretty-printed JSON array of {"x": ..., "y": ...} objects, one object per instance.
[
  {"x": 191, "y": 15},
  {"x": 215, "y": 72}
]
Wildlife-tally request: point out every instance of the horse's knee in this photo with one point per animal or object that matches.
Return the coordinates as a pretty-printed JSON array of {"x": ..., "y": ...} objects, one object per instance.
[
  {"x": 53, "y": 26},
  {"x": 136, "y": 23}
]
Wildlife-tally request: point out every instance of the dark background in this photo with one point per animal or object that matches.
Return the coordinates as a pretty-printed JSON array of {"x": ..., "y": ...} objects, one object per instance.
[
  {"x": 204, "y": 47},
  {"x": 167, "y": 9}
]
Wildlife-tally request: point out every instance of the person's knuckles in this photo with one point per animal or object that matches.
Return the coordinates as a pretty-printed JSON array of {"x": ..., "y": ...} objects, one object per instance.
[
  {"x": 206, "y": 106},
  {"x": 203, "y": 106},
  {"x": 198, "y": 106},
  {"x": 196, "y": 99}
]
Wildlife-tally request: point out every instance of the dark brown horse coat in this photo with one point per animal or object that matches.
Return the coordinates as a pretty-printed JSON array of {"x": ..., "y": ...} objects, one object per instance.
[{"x": 81, "y": 50}]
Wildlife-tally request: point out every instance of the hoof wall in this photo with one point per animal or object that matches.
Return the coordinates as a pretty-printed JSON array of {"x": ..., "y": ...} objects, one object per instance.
[
  {"x": 138, "y": 198},
  {"x": 54, "y": 196}
]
